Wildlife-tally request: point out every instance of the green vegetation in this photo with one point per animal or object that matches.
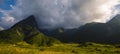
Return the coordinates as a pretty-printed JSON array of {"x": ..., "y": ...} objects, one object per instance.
[
  {"x": 42, "y": 40},
  {"x": 25, "y": 38},
  {"x": 10, "y": 36},
  {"x": 26, "y": 31},
  {"x": 85, "y": 48},
  {"x": 14, "y": 36}
]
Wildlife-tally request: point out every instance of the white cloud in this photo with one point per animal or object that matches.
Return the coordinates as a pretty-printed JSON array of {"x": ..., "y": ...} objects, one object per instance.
[
  {"x": 1, "y": 28},
  {"x": 8, "y": 19},
  {"x": 63, "y": 13}
]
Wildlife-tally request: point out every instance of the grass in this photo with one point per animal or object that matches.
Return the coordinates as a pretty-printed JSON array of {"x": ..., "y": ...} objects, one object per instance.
[{"x": 87, "y": 48}]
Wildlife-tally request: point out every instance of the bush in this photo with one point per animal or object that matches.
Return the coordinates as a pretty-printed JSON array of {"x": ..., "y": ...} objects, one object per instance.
[{"x": 42, "y": 40}]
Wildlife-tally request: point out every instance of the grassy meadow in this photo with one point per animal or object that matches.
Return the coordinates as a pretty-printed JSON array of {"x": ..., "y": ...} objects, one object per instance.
[{"x": 86, "y": 48}]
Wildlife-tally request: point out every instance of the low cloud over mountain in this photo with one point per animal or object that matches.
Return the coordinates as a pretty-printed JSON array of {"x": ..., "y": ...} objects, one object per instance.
[{"x": 60, "y": 13}]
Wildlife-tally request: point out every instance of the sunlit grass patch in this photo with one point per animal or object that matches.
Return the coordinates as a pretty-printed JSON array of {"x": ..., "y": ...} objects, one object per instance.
[{"x": 90, "y": 48}]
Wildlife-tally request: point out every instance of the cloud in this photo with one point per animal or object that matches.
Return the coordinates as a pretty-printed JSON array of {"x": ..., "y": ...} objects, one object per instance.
[
  {"x": 118, "y": 8},
  {"x": 7, "y": 20},
  {"x": 1, "y": 28},
  {"x": 63, "y": 13}
]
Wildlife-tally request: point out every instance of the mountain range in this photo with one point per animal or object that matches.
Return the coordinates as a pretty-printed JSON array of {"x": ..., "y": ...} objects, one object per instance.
[
  {"x": 108, "y": 32},
  {"x": 28, "y": 31}
]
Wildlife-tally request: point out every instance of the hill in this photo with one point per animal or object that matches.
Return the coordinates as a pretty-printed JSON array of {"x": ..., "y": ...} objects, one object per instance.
[
  {"x": 108, "y": 33},
  {"x": 26, "y": 30}
]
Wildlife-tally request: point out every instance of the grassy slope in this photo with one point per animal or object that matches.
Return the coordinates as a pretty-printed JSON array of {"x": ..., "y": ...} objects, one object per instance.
[
  {"x": 28, "y": 31},
  {"x": 87, "y": 48}
]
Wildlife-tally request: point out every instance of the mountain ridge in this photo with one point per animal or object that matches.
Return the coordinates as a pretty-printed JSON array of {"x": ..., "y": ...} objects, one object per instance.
[
  {"x": 108, "y": 33},
  {"x": 28, "y": 31}
]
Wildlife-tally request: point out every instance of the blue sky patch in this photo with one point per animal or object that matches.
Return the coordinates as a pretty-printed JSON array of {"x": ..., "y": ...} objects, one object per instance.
[
  {"x": 1, "y": 14},
  {"x": 5, "y": 4}
]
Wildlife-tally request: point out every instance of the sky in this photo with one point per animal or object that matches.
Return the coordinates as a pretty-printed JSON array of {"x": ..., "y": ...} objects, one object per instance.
[
  {"x": 6, "y": 5},
  {"x": 57, "y": 13}
]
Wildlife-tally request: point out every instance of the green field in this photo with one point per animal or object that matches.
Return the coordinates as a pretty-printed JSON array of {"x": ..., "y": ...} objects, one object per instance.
[{"x": 86, "y": 48}]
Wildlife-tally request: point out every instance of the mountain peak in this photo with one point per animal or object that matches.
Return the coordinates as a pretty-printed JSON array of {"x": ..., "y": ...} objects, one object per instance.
[
  {"x": 28, "y": 31},
  {"x": 27, "y": 26},
  {"x": 115, "y": 19},
  {"x": 28, "y": 21},
  {"x": 32, "y": 17}
]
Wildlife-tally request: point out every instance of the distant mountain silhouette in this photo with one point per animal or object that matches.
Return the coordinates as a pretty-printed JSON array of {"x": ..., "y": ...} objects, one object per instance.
[
  {"x": 100, "y": 32},
  {"x": 94, "y": 32},
  {"x": 108, "y": 33},
  {"x": 26, "y": 30},
  {"x": 64, "y": 35}
]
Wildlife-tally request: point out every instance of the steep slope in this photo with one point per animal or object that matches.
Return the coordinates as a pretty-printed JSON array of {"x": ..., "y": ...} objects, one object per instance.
[
  {"x": 20, "y": 31},
  {"x": 64, "y": 35},
  {"x": 26, "y": 30},
  {"x": 115, "y": 21},
  {"x": 115, "y": 26},
  {"x": 101, "y": 32},
  {"x": 92, "y": 32}
]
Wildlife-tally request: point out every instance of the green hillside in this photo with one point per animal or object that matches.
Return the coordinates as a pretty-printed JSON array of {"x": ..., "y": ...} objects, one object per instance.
[{"x": 26, "y": 30}]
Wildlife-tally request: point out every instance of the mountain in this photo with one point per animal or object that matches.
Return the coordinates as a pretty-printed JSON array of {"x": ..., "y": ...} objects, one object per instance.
[
  {"x": 108, "y": 33},
  {"x": 101, "y": 32},
  {"x": 115, "y": 28},
  {"x": 26, "y": 30},
  {"x": 115, "y": 21},
  {"x": 115, "y": 24},
  {"x": 64, "y": 35},
  {"x": 94, "y": 32}
]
